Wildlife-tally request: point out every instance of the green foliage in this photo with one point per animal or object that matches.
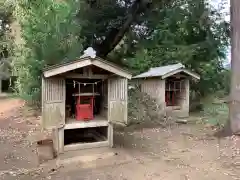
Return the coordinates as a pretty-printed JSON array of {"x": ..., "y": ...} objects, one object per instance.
[
  {"x": 50, "y": 35},
  {"x": 215, "y": 112},
  {"x": 5, "y": 55},
  {"x": 187, "y": 31},
  {"x": 99, "y": 17},
  {"x": 5, "y": 40},
  {"x": 192, "y": 33}
]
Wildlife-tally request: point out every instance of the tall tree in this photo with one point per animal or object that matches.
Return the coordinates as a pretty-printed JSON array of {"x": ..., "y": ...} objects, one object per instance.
[
  {"x": 138, "y": 33},
  {"x": 5, "y": 40},
  {"x": 191, "y": 32},
  {"x": 51, "y": 34},
  {"x": 235, "y": 64},
  {"x": 108, "y": 22}
]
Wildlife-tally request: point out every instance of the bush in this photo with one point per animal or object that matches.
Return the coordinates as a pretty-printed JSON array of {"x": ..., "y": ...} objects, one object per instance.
[
  {"x": 215, "y": 112},
  {"x": 143, "y": 109}
]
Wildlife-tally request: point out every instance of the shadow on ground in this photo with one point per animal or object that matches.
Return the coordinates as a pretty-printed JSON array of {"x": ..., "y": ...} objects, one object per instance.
[{"x": 224, "y": 131}]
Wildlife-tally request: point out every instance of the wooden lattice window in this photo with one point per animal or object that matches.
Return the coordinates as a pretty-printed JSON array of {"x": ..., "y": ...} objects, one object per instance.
[{"x": 174, "y": 91}]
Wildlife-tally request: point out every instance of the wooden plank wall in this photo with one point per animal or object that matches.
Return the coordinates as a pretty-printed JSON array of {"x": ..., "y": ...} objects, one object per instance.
[
  {"x": 118, "y": 89},
  {"x": 53, "y": 102},
  {"x": 117, "y": 100},
  {"x": 104, "y": 104},
  {"x": 185, "y": 103},
  {"x": 155, "y": 88}
]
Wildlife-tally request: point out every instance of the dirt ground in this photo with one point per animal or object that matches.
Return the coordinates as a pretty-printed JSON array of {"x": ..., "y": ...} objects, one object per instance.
[
  {"x": 184, "y": 152},
  {"x": 16, "y": 151}
]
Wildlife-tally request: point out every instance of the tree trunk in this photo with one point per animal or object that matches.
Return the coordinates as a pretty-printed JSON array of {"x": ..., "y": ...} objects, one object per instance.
[
  {"x": 234, "y": 106},
  {"x": 116, "y": 34}
]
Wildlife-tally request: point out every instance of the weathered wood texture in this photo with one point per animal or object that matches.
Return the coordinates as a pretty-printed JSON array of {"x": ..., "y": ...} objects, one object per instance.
[
  {"x": 185, "y": 71},
  {"x": 60, "y": 139},
  {"x": 234, "y": 105},
  {"x": 55, "y": 139},
  {"x": 184, "y": 101},
  {"x": 82, "y": 76},
  {"x": 117, "y": 100},
  {"x": 80, "y": 146},
  {"x": 154, "y": 87},
  {"x": 53, "y": 102},
  {"x": 84, "y": 62},
  {"x": 110, "y": 135},
  {"x": 104, "y": 103}
]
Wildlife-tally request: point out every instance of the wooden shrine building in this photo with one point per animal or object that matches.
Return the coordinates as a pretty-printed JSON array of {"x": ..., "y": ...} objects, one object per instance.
[
  {"x": 169, "y": 85},
  {"x": 82, "y": 99}
]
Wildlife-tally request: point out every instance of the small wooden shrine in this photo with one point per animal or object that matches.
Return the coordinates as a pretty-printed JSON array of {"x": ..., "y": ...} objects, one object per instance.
[
  {"x": 81, "y": 100},
  {"x": 169, "y": 85}
]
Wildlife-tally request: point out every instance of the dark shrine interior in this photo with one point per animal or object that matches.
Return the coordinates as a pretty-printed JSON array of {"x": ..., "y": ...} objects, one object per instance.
[
  {"x": 83, "y": 86},
  {"x": 86, "y": 135},
  {"x": 174, "y": 88}
]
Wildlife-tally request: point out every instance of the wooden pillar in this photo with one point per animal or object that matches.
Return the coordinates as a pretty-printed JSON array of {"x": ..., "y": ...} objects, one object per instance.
[
  {"x": 61, "y": 140},
  {"x": 0, "y": 85},
  {"x": 55, "y": 139},
  {"x": 187, "y": 94},
  {"x": 185, "y": 99},
  {"x": 234, "y": 105},
  {"x": 110, "y": 134}
]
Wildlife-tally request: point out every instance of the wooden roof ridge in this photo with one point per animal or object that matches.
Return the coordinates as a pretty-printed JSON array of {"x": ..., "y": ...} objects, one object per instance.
[
  {"x": 85, "y": 61},
  {"x": 166, "y": 71}
]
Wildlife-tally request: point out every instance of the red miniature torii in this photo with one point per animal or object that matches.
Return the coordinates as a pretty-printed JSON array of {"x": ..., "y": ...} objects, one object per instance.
[{"x": 84, "y": 111}]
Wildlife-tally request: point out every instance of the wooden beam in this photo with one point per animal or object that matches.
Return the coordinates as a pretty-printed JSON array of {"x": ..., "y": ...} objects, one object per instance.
[
  {"x": 192, "y": 74},
  {"x": 83, "y": 63},
  {"x": 66, "y": 68},
  {"x": 79, "y": 146},
  {"x": 111, "y": 69},
  {"x": 81, "y": 76},
  {"x": 180, "y": 76},
  {"x": 61, "y": 140},
  {"x": 110, "y": 135},
  {"x": 87, "y": 124}
]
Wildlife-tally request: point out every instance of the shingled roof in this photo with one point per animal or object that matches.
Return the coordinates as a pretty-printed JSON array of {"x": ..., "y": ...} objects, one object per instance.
[{"x": 166, "y": 71}]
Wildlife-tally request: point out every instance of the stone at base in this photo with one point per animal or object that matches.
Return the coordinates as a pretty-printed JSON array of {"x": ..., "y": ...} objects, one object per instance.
[{"x": 45, "y": 152}]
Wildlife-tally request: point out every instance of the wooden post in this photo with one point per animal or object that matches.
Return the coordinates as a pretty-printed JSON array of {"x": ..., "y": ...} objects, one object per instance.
[
  {"x": 234, "y": 105},
  {"x": 0, "y": 85},
  {"x": 110, "y": 134},
  {"x": 61, "y": 140}
]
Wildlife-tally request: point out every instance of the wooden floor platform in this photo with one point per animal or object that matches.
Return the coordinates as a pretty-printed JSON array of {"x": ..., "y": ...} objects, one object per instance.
[{"x": 98, "y": 121}]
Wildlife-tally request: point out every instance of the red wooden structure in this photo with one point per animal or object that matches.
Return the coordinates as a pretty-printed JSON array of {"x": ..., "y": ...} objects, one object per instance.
[
  {"x": 169, "y": 98},
  {"x": 84, "y": 107},
  {"x": 85, "y": 102}
]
